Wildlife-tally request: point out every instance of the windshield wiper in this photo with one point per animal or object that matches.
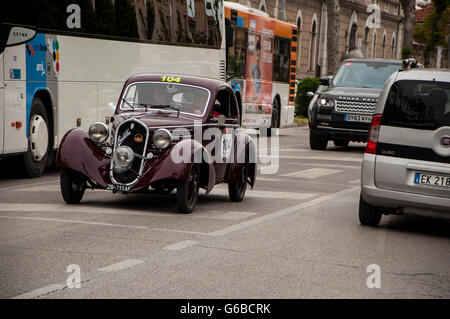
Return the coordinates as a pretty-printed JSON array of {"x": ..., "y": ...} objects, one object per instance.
[
  {"x": 166, "y": 106},
  {"x": 128, "y": 103}
]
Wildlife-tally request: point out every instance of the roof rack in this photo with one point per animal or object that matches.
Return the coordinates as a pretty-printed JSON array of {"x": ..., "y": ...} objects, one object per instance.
[{"x": 411, "y": 64}]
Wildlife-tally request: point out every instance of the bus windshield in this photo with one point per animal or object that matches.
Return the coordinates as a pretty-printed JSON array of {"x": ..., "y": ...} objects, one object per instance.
[{"x": 364, "y": 74}]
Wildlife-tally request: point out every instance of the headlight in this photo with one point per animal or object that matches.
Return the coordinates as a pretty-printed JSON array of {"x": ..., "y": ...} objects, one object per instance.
[
  {"x": 325, "y": 102},
  {"x": 123, "y": 158},
  {"x": 162, "y": 138},
  {"x": 98, "y": 132}
]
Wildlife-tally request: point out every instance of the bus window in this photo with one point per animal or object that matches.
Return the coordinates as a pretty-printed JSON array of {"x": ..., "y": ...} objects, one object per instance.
[
  {"x": 281, "y": 60},
  {"x": 237, "y": 53}
]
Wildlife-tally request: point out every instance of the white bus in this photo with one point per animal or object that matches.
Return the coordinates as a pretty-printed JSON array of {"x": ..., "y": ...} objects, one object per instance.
[{"x": 63, "y": 64}]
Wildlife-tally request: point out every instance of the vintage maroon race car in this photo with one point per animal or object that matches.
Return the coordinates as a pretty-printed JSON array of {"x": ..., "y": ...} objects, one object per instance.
[{"x": 168, "y": 132}]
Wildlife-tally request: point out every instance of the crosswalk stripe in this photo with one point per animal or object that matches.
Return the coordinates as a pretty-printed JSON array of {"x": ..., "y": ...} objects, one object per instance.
[
  {"x": 121, "y": 265},
  {"x": 313, "y": 173},
  {"x": 181, "y": 245},
  {"x": 40, "y": 292}
]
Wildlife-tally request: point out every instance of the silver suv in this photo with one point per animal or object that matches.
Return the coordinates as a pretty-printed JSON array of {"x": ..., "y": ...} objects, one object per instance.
[{"x": 406, "y": 165}]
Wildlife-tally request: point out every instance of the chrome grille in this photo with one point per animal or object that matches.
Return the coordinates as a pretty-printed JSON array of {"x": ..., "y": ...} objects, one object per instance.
[
  {"x": 125, "y": 135},
  {"x": 355, "y": 105}
]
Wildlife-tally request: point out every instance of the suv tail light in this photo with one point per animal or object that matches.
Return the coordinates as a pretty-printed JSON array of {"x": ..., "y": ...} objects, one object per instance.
[{"x": 374, "y": 131}]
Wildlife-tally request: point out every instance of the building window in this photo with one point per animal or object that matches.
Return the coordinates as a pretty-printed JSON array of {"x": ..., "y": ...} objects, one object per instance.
[
  {"x": 312, "y": 47},
  {"x": 393, "y": 55},
  {"x": 383, "y": 47},
  {"x": 374, "y": 44},
  {"x": 299, "y": 37},
  {"x": 262, "y": 5},
  {"x": 366, "y": 40}
]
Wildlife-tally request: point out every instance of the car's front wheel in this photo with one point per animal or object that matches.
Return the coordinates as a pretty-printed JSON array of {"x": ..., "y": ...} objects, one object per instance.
[
  {"x": 316, "y": 141},
  {"x": 187, "y": 190},
  {"x": 73, "y": 185},
  {"x": 368, "y": 215},
  {"x": 236, "y": 190}
]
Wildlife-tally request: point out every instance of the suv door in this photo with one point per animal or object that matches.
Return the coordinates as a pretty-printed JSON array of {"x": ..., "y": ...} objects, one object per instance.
[{"x": 413, "y": 152}]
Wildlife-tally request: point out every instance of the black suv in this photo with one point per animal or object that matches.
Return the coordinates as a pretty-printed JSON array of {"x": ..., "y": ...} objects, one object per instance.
[{"x": 344, "y": 110}]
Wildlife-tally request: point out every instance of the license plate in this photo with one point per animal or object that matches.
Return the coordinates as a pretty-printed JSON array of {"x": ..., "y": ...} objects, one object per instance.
[
  {"x": 118, "y": 187},
  {"x": 358, "y": 118},
  {"x": 432, "y": 179}
]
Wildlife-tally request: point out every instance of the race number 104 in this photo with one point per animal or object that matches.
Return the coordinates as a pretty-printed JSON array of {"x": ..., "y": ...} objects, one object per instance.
[{"x": 242, "y": 308}]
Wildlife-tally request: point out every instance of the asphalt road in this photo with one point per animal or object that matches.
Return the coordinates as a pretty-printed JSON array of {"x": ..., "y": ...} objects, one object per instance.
[{"x": 295, "y": 235}]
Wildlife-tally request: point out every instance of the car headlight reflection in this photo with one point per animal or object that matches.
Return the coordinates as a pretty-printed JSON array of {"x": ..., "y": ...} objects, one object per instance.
[
  {"x": 162, "y": 138},
  {"x": 98, "y": 132},
  {"x": 123, "y": 159}
]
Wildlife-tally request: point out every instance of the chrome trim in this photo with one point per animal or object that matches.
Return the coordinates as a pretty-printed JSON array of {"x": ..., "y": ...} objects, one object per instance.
[
  {"x": 168, "y": 132},
  {"x": 189, "y": 85},
  {"x": 111, "y": 173},
  {"x": 340, "y": 129},
  {"x": 106, "y": 128}
]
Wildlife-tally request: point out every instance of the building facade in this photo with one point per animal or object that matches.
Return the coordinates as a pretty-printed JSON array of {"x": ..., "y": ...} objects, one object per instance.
[{"x": 379, "y": 38}]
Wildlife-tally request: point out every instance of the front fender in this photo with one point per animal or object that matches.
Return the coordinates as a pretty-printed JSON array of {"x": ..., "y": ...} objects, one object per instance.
[
  {"x": 76, "y": 151},
  {"x": 165, "y": 167}
]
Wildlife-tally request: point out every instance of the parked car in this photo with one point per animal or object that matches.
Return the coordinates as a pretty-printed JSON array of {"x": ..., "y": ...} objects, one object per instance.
[
  {"x": 343, "y": 111},
  {"x": 406, "y": 165},
  {"x": 313, "y": 101},
  {"x": 153, "y": 144}
]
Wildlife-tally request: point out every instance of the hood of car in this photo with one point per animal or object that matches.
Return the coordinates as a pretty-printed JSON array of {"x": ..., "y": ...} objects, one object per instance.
[
  {"x": 159, "y": 119},
  {"x": 336, "y": 92}
]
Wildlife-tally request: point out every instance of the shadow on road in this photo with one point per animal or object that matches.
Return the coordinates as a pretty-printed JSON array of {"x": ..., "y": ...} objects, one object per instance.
[{"x": 418, "y": 225}]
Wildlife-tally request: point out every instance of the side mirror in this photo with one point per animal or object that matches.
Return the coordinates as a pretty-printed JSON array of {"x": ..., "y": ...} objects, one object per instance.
[
  {"x": 325, "y": 81},
  {"x": 228, "y": 33},
  {"x": 310, "y": 94}
]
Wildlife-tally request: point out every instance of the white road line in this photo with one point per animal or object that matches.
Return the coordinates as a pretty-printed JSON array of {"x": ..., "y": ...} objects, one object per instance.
[
  {"x": 181, "y": 245},
  {"x": 40, "y": 188},
  {"x": 356, "y": 181},
  {"x": 280, "y": 213},
  {"x": 313, "y": 173},
  {"x": 12, "y": 188},
  {"x": 264, "y": 179},
  {"x": 40, "y": 292},
  {"x": 230, "y": 215},
  {"x": 357, "y": 167},
  {"x": 267, "y": 194},
  {"x": 121, "y": 265},
  {"x": 73, "y": 221},
  {"x": 314, "y": 158}
]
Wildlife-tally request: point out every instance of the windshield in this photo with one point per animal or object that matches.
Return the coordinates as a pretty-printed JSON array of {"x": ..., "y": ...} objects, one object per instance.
[
  {"x": 170, "y": 97},
  {"x": 364, "y": 74}
]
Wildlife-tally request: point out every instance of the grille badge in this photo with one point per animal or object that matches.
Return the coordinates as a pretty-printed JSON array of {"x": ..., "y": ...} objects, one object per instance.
[
  {"x": 445, "y": 141},
  {"x": 138, "y": 138}
]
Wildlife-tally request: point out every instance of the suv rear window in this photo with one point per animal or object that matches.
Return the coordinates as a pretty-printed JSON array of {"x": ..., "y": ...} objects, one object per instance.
[{"x": 418, "y": 104}]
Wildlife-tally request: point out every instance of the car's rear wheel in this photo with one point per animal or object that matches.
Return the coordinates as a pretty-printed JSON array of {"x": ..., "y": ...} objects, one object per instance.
[
  {"x": 73, "y": 185},
  {"x": 187, "y": 190},
  {"x": 368, "y": 215},
  {"x": 236, "y": 190},
  {"x": 316, "y": 141},
  {"x": 341, "y": 142}
]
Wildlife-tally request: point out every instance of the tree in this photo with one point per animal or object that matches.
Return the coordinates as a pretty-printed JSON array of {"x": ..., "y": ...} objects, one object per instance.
[
  {"x": 105, "y": 17},
  {"x": 435, "y": 28},
  {"x": 126, "y": 22},
  {"x": 409, "y": 10},
  {"x": 333, "y": 10}
]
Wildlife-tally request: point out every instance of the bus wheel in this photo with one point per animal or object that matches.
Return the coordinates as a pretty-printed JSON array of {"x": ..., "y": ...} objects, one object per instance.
[
  {"x": 275, "y": 119},
  {"x": 35, "y": 159}
]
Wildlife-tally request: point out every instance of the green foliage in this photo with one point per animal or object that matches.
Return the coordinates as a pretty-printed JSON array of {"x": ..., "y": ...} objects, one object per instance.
[
  {"x": 301, "y": 99},
  {"x": 435, "y": 28},
  {"x": 407, "y": 52}
]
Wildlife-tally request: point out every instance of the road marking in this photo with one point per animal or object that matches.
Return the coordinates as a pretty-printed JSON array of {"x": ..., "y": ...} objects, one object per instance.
[
  {"x": 40, "y": 188},
  {"x": 264, "y": 179},
  {"x": 40, "y": 292},
  {"x": 121, "y": 265},
  {"x": 266, "y": 194},
  {"x": 73, "y": 221},
  {"x": 313, "y": 173},
  {"x": 181, "y": 245},
  {"x": 230, "y": 215},
  {"x": 358, "y": 167},
  {"x": 266, "y": 158},
  {"x": 280, "y": 213},
  {"x": 356, "y": 181},
  {"x": 18, "y": 187}
]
